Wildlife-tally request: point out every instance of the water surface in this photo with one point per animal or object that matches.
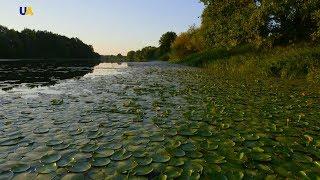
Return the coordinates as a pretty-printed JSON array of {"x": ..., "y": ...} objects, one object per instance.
[{"x": 157, "y": 120}]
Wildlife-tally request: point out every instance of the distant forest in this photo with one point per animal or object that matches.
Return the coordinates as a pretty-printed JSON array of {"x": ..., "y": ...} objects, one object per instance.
[{"x": 41, "y": 44}]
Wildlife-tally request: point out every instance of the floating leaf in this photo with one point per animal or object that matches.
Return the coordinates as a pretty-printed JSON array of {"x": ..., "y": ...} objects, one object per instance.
[
  {"x": 143, "y": 170},
  {"x": 50, "y": 158},
  {"x": 80, "y": 167}
]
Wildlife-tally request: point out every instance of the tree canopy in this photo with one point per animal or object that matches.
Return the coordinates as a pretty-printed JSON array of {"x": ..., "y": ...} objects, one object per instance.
[
  {"x": 154, "y": 53},
  {"x": 166, "y": 40},
  {"x": 41, "y": 44},
  {"x": 229, "y": 23}
]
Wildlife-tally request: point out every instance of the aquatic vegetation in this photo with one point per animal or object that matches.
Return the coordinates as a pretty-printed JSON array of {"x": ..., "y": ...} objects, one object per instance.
[{"x": 163, "y": 122}]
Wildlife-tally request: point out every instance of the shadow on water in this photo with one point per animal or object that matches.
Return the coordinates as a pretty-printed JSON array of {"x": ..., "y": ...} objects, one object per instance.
[{"x": 34, "y": 73}]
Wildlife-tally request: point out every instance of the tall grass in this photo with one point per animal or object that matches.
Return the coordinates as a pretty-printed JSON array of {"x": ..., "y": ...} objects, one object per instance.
[{"x": 290, "y": 62}]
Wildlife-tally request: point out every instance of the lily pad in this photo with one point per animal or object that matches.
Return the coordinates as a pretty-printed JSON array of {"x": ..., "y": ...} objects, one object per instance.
[
  {"x": 261, "y": 157},
  {"x": 121, "y": 155},
  {"x": 160, "y": 158},
  {"x": 41, "y": 130},
  {"x": 143, "y": 170},
  {"x": 99, "y": 162},
  {"x": 76, "y": 132},
  {"x": 176, "y": 162},
  {"x": 54, "y": 142},
  {"x": 73, "y": 176},
  {"x": 50, "y": 158},
  {"x": 139, "y": 154},
  {"x": 88, "y": 148},
  {"x": 47, "y": 168},
  {"x": 80, "y": 167},
  {"x": 6, "y": 175},
  {"x": 19, "y": 168},
  {"x": 144, "y": 161},
  {"x": 189, "y": 147},
  {"x": 173, "y": 172},
  {"x": 178, "y": 153},
  {"x": 104, "y": 153},
  {"x": 157, "y": 138}
]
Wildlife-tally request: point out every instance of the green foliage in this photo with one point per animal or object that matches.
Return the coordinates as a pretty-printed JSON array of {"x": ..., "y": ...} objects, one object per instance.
[
  {"x": 146, "y": 54},
  {"x": 41, "y": 44},
  {"x": 166, "y": 41},
  {"x": 186, "y": 43},
  {"x": 130, "y": 55},
  {"x": 289, "y": 62},
  {"x": 229, "y": 23},
  {"x": 154, "y": 53},
  {"x": 114, "y": 58}
]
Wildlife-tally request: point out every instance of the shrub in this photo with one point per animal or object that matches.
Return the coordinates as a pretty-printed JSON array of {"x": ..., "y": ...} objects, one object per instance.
[{"x": 186, "y": 43}]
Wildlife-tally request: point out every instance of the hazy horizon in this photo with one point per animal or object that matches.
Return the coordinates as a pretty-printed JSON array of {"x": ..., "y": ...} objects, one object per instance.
[{"x": 112, "y": 26}]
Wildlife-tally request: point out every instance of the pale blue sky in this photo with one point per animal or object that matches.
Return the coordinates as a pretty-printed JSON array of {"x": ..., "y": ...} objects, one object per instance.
[{"x": 111, "y": 26}]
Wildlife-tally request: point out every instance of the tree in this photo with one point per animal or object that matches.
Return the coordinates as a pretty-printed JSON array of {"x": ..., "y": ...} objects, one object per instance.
[
  {"x": 230, "y": 23},
  {"x": 130, "y": 55},
  {"x": 41, "y": 44},
  {"x": 165, "y": 42},
  {"x": 186, "y": 44},
  {"x": 149, "y": 52}
]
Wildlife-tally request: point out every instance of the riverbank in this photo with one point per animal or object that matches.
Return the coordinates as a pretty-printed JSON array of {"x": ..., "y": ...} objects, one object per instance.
[{"x": 289, "y": 62}]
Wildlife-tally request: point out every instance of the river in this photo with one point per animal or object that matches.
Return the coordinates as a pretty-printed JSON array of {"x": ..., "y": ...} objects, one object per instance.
[{"x": 151, "y": 120}]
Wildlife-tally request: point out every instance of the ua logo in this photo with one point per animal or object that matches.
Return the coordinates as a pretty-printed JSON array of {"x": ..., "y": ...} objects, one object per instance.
[{"x": 26, "y": 11}]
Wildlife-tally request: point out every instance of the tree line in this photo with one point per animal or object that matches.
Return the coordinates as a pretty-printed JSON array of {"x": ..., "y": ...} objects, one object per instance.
[
  {"x": 234, "y": 23},
  {"x": 260, "y": 24},
  {"x": 41, "y": 44},
  {"x": 154, "y": 53}
]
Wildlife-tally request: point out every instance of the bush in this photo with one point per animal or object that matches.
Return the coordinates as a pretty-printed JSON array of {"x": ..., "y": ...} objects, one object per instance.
[
  {"x": 290, "y": 62},
  {"x": 186, "y": 43}
]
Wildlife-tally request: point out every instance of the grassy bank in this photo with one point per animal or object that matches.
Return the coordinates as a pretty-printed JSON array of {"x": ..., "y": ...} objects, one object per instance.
[{"x": 290, "y": 62}]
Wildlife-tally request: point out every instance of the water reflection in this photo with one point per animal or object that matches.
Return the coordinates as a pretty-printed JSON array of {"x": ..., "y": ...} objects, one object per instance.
[
  {"x": 41, "y": 73},
  {"x": 107, "y": 69}
]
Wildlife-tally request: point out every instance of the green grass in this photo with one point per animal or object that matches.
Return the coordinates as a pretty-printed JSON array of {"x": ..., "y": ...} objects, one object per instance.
[{"x": 290, "y": 62}]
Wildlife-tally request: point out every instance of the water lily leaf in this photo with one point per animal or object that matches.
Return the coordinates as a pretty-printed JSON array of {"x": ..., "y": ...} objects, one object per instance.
[
  {"x": 144, "y": 161},
  {"x": 143, "y": 170},
  {"x": 261, "y": 157},
  {"x": 126, "y": 166},
  {"x": 176, "y": 162},
  {"x": 41, "y": 130},
  {"x": 160, "y": 158},
  {"x": 104, "y": 153},
  {"x": 173, "y": 172},
  {"x": 50, "y": 158},
  {"x": 73, "y": 176},
  {"x": 4, "y": 175},
  {"x": 19, "y": 168},
  {"x": 76, "y": 132},
  {"x": 94, "y": 135},
  {"x": 157, "y": 138},
  {"x": 187, "y": 132},
  {"x": 80, "y": 167},
  {"x": 139, "y": 154},
  {"x": 99, "y": 162},
  {"x": 88, "y": 148},
  {"x": 178, "y": 153},
  {"x": 194, "y": 154},
  {"x": 54, "y": 142},
  {"x": 121, "y": 155},
  {"x": 189, "y": 147},
  {"x": 47, "y": 168}
]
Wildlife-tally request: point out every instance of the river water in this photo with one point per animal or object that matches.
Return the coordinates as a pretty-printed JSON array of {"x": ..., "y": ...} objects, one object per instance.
[{"x": 148, "y": 120}]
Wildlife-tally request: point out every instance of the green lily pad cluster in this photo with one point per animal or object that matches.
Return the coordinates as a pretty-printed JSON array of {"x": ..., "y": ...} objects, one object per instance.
[{"x": 162, "y": 122}]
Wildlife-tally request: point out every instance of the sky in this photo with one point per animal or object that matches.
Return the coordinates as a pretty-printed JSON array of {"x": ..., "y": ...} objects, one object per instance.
[{"x": 110, "y": 26}]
